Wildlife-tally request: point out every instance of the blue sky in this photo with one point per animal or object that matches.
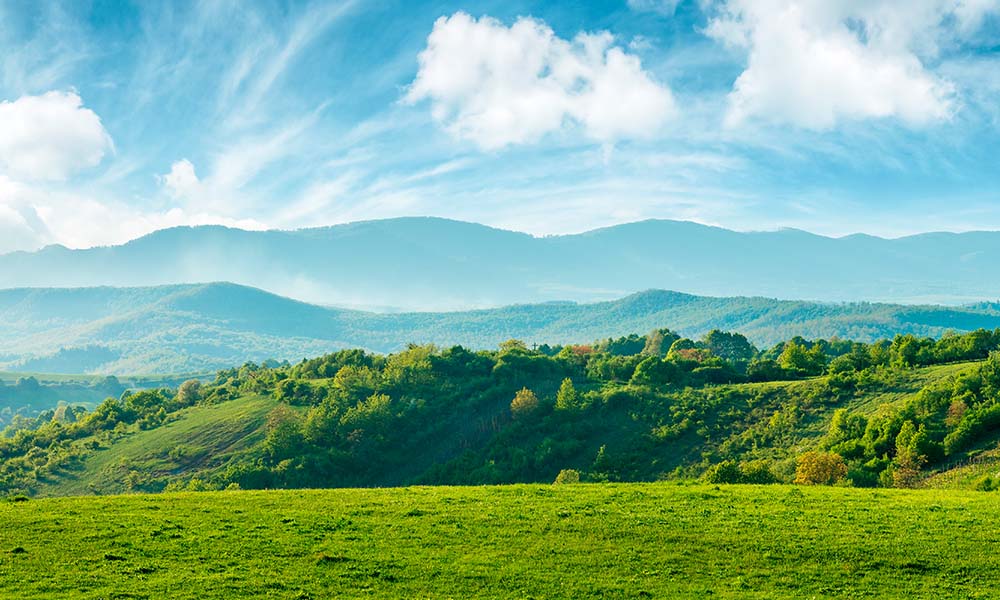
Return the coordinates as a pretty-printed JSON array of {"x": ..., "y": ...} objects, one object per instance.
[{"x": 877, "y": 116}]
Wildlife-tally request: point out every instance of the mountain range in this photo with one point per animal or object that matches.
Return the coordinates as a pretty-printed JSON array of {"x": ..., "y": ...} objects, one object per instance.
[
  {"x": 198, "y": 328},
  {"x": 425, "y": 263}
]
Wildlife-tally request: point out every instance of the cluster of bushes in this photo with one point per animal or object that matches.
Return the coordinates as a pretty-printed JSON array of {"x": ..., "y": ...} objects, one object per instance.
[{"x": 944, "y": 419}]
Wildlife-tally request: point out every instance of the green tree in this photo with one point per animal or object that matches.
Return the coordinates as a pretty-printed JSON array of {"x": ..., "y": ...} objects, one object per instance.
[
  {"x": 803, "y": 360},
  {"x": 731, "y": 347},
  {"x": 567, "y": 398},
  {"x": 189, "y": 392},
  {"x": 284, "y": 434},
  {"x": 653, "y": 371},
  {"x": 910, "y": 455}
]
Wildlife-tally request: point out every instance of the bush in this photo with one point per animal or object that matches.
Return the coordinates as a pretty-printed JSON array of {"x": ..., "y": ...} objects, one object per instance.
[
  {"x": 567, "y": 476},
  {"x": 820, "y": 468},
  {"x": 987, "y": 484},
  {"x": 726, "y": 471},
  {"x": 729, "y": 471}
]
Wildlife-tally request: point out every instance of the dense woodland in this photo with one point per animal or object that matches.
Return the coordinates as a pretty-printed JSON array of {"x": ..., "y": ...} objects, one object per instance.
[{"x": 636, "y": 408}]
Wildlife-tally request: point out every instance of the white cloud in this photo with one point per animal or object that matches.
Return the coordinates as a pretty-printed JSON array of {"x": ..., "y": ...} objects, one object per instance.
[
  {"x": 50, "y": 136},
  {"x": 33, "y": 215},
  {"x": 20, "y": 226},
  {"x": 814, "y": 63},
  {"x": 497, "y": 85},
  {"x": 181, "y": 180}
]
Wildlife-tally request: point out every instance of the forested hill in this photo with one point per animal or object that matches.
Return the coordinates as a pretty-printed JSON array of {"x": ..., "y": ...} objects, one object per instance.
[
  {"x": 204, "y": 327},
  {"x": 907, "y": 412},
  {"x": 437, "y": 264}
]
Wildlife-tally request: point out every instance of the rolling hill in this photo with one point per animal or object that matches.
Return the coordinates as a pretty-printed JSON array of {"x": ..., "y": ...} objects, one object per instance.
[
  {"x": 198, "y": 328},
  {"x": 438, "y": 264}
]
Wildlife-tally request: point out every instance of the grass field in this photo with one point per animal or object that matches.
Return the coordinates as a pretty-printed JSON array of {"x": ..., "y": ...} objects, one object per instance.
[
  {"x": 207, "y": 435},
  {"x": 537, "y": 541}
]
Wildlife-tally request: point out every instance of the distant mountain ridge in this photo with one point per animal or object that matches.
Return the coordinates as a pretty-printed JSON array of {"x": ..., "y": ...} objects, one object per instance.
[
  {"x": 202, "y": 327},
  {"x": 423, "y": 263}
]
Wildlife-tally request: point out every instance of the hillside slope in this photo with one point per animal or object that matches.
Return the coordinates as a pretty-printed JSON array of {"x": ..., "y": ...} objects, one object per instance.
[
  {"x": 438, "y": 264},
  {"x": 204, "y": 327},
  {"x": 632, "y": 434}
]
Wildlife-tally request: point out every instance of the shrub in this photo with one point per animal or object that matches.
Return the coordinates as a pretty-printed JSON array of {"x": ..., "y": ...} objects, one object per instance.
[
  {"x": 820, "y": 468},
  {"x": 729, "y": 471},
  {"x": 987, "y": 484},
  {"x": 726, "y": 471},
  {"x": 567, "y": 476}
]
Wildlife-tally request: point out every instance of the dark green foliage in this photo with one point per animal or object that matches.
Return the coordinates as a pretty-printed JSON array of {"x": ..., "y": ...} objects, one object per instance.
[{"x": 730, "y": 471}]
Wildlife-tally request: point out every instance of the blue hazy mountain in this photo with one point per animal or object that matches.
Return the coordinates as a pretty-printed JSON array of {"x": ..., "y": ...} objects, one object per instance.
[
  {"x": 438, "y": 264},
  {"x": 203, "y": 327}
]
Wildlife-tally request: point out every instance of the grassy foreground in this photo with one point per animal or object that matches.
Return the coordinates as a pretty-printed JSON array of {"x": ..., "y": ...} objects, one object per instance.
[{"x": 580, "y": 541}]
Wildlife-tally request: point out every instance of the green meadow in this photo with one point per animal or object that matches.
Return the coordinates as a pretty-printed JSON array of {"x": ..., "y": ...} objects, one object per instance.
[{"x": 656, "y": 540}]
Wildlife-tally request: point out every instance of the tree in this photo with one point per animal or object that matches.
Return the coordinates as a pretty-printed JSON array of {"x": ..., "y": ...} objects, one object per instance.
[
  {"x": 765, "y": 369},
  {"x": 685, "y": 349},
  {"x": 567, "y": 398},
  {"x": 653, "y": 371},
  {"x": 658, "y": 342},
  {"x": 512, "y": 345},
  {"x": 567, "y": 476},
  {"x": 820, "y": 468},
  {"x": 189, "y": 392},
  {"x": 524, "y": 402},
  {"x": 910, "y": 455},
  {"x": 284, "y": 434},
  {"x": 732, "y": 347},
  {"x": 624, "y": 346},
  {"x": 806, "y": 361}
]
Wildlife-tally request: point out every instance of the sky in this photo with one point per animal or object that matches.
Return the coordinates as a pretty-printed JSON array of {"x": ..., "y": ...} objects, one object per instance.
[{"x": 874, "y": 116}]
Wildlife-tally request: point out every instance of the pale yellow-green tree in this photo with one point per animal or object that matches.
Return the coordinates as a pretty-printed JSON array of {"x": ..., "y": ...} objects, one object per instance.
[
  {"x": 524, "y": 403},
  {"x": 820, "y": 468}
]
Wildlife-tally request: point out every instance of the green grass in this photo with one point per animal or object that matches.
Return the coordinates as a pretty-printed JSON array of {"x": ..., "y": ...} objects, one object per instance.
[
  {"x": 207, "y": 435},
  {"x": 538, "y": 541},
  {"x": 909, "y": 386}
]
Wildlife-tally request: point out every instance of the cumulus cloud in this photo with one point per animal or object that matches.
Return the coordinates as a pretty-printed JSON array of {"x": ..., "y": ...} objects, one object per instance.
[
  {"x": 814, "y": 63},
  {"x": 181, "y": 180},
  {"x": 50, "y": 137},
  {"x": 497, "y": 85}
]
